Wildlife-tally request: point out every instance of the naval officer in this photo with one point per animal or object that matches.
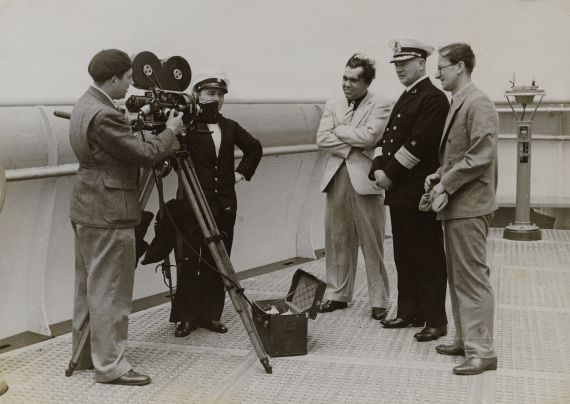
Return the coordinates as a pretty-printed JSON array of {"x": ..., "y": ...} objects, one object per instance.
[{"x": 403, "y": 158}]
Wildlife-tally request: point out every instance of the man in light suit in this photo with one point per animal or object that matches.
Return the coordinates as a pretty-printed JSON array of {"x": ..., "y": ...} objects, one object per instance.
[
  {"x": 104, "y": 211},
  {"x": 468, "y": 175},
  {"x": 355, "y": 214}
]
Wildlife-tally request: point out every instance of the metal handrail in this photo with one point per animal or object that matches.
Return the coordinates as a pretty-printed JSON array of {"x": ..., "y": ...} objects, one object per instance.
[
  {"x": 34, "y": 173},
  {"x": 549, "y": 106}
]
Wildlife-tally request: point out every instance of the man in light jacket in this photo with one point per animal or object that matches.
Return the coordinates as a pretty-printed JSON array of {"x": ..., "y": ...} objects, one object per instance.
[
  {"x": 468, "y": 175},
  {"x": 355, "y": 214}
]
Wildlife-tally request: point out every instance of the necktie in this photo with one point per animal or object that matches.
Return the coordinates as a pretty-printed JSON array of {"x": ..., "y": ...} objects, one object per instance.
[{"x": 349, "y": 112}]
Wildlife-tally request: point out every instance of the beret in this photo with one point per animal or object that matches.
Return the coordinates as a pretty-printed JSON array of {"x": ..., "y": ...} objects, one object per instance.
[{"x": 108, "y": 63}]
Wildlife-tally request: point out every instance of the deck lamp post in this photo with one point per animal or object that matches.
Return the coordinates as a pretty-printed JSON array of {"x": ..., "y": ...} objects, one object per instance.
[{"x": 522, "y": 229}]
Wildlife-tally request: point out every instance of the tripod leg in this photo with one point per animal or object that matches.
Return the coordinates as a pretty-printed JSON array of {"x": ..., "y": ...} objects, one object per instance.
[
  {"x": 84, "y": 333},
  {"x": 194, "y": 194},
  {"x": 167, "y": 274},
  {"x": 147, "y": 178}
]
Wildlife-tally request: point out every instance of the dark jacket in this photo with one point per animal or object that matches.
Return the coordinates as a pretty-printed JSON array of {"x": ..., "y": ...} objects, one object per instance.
[
  {"x": 216, "y": 177},
  {"x": 410, "y": 143},
  {"x": 216, "y": 173}
]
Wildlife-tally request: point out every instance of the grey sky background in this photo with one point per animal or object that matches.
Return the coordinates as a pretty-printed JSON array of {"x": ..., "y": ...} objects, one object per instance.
[{"x": 279, "y": 49}]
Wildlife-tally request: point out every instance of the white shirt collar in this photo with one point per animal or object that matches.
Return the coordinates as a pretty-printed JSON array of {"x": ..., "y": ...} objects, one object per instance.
[
  {"x": 106, "y": 95},
  {"x": 415, "y": 82}
]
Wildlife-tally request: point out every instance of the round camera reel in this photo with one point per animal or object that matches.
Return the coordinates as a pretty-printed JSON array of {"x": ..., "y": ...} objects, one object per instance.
[
  {"x": 147, "y": 71},
  {"x": 176, "y": 74}
]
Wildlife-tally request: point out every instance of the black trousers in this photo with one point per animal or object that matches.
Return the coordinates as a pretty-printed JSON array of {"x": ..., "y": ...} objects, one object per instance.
[
  {"x": 420, "y": 262},
  {"x": 200, "y": 292}
]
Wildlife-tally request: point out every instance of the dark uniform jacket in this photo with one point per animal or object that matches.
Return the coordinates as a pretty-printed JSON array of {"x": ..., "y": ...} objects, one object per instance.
[
  {"x": 408, "y": 150},
  {"x": 216, "y": 177},
  {"x": 216, "y": 173}
]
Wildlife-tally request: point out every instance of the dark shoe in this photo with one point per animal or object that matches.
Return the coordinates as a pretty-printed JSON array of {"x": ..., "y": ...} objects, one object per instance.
[
  {"x": 401, "y": 323},
  {"x": 450, "y": 350},
  {"x": 215, "y": 326},
  {"x": 131, "y": 378},
  {"x": 378, "y": 313},
  {"x": 3, "y": 387},
  {"x": 184, "y": 328},
  {"x": 431, "y": 333},
  {"x": 332, "y": 305},
  {"x": 475, "y": 366}
]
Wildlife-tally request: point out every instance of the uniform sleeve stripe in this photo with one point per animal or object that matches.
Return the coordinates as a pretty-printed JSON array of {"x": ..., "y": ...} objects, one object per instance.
[
  {"x": 377, "y": 152},
  {"x": 406, "y": 158}
]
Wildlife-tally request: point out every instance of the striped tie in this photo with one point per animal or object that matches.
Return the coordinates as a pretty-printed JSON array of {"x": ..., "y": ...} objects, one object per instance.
[{"x": 349, "y": 112}]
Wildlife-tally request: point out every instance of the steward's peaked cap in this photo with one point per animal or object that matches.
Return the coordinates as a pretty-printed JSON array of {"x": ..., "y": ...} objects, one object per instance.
[
  {"x": 405, "y": 49},
  {"x": 108, "y": 63},
  {"x": 211, "y": 80}
]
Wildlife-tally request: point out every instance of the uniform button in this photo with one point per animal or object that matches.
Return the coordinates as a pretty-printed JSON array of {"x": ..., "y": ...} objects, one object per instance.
[
  {"x": 391, "y": 140},
  {"x": 388, "y": 153},
  {"x": 395, "y": 127},
  {"x": 215, "y": 167},
  {"x": 216, "y": 191},
  {"x": 399, "y": 115},
  {"x": 387, "y": 129},
  {"x": 215, "y": 178}
]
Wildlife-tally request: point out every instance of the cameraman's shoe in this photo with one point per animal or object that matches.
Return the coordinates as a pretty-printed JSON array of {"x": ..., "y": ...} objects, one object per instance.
[
  {"x": 131, "y": 378},
  {"x": 3, "y": 387}
]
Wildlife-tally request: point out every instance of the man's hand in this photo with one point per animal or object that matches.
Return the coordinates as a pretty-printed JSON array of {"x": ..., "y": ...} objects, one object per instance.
[
  {"x": 382, "y": 179},
  {"x": 239, "y": 177},
  {"x": 174, "y": 123},
  {"x": 437, "y": 190},
  {"x": 431, "y": 180}
]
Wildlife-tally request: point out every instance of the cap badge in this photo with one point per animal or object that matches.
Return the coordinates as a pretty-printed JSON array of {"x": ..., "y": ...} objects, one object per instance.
[{"x": 397, "y": 47}]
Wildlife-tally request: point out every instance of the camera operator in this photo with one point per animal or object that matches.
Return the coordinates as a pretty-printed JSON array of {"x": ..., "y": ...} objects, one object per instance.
[
  {"x": 104, "y": 212},
  {"x": 200, "y": 293}
]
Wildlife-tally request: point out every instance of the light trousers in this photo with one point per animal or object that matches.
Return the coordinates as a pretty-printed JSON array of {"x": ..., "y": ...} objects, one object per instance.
[
  {"x": 472, "y": 298},
  {"x": 353, "y": 220},
  {"x": 104, "y": 277}
]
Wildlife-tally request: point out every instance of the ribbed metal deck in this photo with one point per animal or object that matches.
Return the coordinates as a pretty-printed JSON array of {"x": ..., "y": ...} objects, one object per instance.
[{"x": 351, "y": 359}]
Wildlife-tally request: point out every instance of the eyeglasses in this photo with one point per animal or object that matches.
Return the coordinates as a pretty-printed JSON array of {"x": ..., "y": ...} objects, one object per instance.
[{"x": 440, "y": 68}]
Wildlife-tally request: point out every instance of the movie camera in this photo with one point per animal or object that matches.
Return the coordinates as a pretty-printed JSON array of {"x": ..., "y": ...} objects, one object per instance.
[{"x": 164, "y": 82}]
